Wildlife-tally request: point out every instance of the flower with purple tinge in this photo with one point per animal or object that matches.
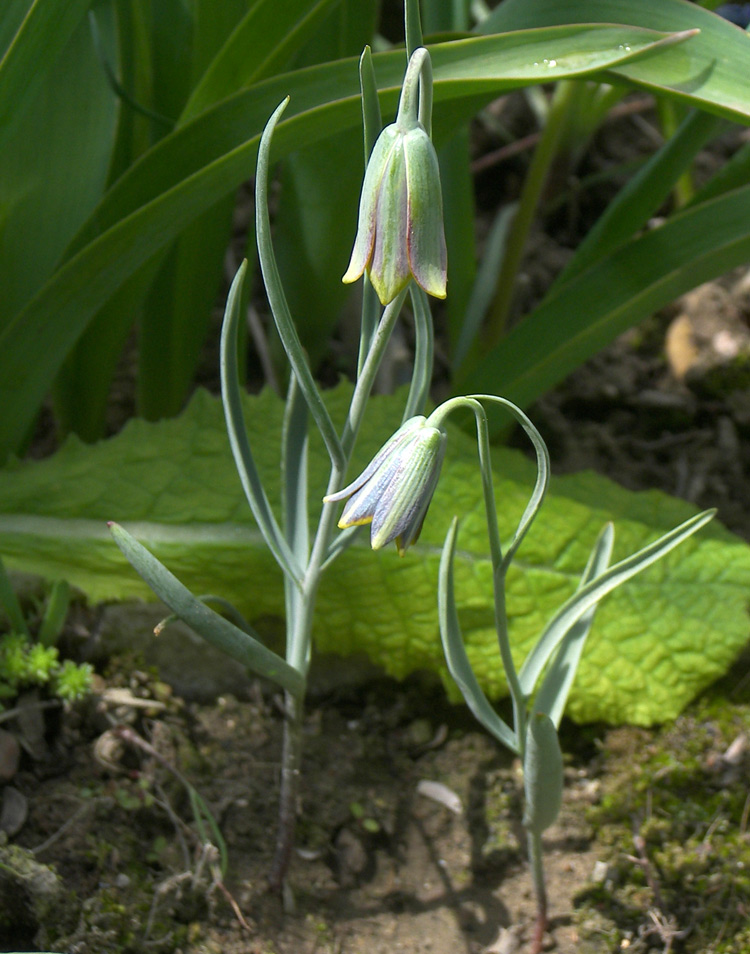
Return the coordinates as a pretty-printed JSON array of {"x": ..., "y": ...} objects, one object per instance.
[
  {"x": 394, "y": 491},
  {"x": 400, "y": 234}
]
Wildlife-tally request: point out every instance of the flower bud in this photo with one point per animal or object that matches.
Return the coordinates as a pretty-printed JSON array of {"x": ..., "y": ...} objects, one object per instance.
[
  {"x": 394, "y": 491},
  {"x": 400, "y": 233}
]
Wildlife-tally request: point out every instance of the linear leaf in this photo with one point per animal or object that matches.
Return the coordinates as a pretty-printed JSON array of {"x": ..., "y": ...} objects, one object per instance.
[
  {"x": 42, "y": 35},
  {"x": 194, "y": 167},
  {"x": 213, "y": 628},
  {"x": 558, "y": 681},
  {"x": 703, "y": 73},
  {"x": 655, "y": 643},
  {"x": 455, "y": 653},
  {"x": 590, "y": 310},
  {"x": 593, "y": 591}
]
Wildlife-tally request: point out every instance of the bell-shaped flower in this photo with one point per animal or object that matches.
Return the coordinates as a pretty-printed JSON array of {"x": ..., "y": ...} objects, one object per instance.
[
  {"x": 400, "y": 233},
  {"x": 394, "y": 491}
]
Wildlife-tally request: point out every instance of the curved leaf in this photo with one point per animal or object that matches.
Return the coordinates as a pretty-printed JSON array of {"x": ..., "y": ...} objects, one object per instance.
[
  {"x": 635, "y": 280},
  {"x": 708, "y": 73},
  {"x": 542, "y": 773},
  {"x": 655, "y": 643},
  {"x": 42, "y": 35},
  {"x": 216, "y": 630},
  {"x": 188, "y": 171}
]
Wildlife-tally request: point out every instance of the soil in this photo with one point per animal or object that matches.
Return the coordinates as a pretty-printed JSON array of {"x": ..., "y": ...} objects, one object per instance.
[
  {"x": 408, "y": 830},
  {"x": 409, "y": 835}
]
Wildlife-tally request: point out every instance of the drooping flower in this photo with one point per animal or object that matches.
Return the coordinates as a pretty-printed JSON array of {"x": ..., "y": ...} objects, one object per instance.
[
  {"x": 400, "y": 233},
  {"x": 394, "y": 491}
]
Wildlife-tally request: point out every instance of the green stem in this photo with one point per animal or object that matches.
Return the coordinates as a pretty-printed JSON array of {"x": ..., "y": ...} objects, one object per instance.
[
  {"x": 424, "y": 351},
  {"x": 416, "y": 92},
  {"x": 366, "y": 379},
  {"x": 291, "y": 757},
  {"x": 300, "y": 605},
  {"x": 499, "y": 565},
  {"x": 534, "y": 841}
]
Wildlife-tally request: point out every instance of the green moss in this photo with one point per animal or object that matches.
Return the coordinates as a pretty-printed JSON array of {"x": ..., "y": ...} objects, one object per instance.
[{"x": 673, "y": 814}]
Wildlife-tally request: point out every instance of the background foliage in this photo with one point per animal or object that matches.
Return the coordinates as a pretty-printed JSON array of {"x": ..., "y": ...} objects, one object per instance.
[{"x": 126, "y": 130}]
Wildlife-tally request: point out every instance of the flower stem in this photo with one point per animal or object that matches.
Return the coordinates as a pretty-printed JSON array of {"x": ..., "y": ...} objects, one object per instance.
[
  {"x": 534, "y": 841},
  {"x": 291, "y": 756}
]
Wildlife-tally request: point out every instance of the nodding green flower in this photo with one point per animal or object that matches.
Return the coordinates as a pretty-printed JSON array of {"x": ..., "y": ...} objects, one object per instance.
[
  {"x": 400, "y": 233},
  {"x": 394, "y": 491}
]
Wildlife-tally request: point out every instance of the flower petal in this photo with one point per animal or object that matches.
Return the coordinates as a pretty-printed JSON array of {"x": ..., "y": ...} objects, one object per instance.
[
  {"x": 368, "y": 205},
  {"x": 404, "y": 502},
  {"x": 393, "y": 442},
  {"x": 389, "y": 266},
  {"x": 426, "y": 250}
]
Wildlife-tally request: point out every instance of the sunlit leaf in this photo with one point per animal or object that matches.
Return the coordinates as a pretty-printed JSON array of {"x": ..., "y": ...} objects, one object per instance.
[{"x": 655, "y": 642}]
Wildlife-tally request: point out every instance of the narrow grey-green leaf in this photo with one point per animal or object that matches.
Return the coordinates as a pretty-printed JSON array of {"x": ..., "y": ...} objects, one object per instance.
[
  {"x": 213, "y": 628},
  {"x": 655, "y": 643},
  {"x": 596, "y": 589},
  {"x": 542, "y": 773},
  {"x": 191, "y": 169},
  {"x": 558, "y": 680},
  {"x": 455, "y": 653}
]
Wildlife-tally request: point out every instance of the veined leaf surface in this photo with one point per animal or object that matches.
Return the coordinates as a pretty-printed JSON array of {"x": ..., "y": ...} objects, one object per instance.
[{"x": 655, "y": 643}]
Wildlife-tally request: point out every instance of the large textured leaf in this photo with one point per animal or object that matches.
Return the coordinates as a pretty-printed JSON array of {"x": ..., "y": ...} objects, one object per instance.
[
  {"x": 260, "y": 45},
  {"x": 191, "y": 169},
  {"x": 654, "y": 644}
]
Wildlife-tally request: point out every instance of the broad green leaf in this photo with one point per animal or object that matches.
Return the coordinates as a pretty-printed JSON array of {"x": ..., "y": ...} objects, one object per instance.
[
  {"x": 194, "y": 167},
  {"x": 213, "y": 24},
  {"x": 14, "y": 13},
  {"x": 177, "y": 312},
  {"x": 43, "y": 30},
  {"x": 630, "y": 210},
  {"x": 51, "y": 178},
  {"x": 173, "y": 311},
  {"x": 259, "y": 46},
  {"x": 459, "y": 214},
  {"x": 655, "y": 643},
  {"x": 704, "y": 73},
  {"x": 320, "y": 189},
  {"x": 591, "y": 309}
]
